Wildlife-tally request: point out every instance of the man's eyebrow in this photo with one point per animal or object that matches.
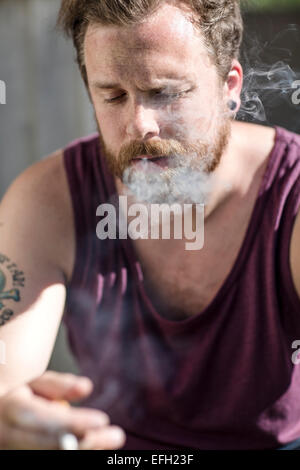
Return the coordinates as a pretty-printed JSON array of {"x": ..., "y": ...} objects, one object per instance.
[
  {"x": 110, "y": 86},
  {"x": 105, "y": 86}
]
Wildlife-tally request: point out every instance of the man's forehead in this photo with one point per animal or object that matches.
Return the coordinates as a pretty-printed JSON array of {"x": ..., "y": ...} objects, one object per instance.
[
  {"x": 144, "y": 74},
  {"x": 168, "y": 31},
  {"x": 111, "y": 53},
  {"x": 168, "y": 20}
]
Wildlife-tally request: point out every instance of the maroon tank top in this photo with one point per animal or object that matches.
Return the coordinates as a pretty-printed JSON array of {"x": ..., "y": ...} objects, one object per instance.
[{"x": 222, "y": 379}]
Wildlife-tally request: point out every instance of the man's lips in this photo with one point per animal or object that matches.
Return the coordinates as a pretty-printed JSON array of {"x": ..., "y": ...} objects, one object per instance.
[
  {"x": 149, "y": 157},
  {"x": 159, "y": 160}
]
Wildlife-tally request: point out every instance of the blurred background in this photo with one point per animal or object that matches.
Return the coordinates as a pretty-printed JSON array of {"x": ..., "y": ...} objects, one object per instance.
[{"x": 47, "y": 105}]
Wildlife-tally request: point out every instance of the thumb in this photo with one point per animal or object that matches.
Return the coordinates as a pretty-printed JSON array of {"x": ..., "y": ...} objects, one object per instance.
[{"x": 61, "y": 386}]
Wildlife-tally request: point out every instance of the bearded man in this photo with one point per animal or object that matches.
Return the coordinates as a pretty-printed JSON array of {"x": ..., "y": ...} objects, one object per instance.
[{"x": 178, "y": 348}]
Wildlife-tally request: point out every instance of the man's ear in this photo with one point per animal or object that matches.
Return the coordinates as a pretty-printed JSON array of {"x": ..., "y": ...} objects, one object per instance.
[{"x": 234, "y": 84}]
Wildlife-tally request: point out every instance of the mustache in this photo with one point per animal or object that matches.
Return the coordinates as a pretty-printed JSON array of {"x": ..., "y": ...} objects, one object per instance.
[
  {"x": 160, "y": 148},
  {"x": 203, "y": 154}
]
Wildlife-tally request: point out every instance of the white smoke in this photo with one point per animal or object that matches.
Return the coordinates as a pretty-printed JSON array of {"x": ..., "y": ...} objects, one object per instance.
[
  {"x": 267, "y": 83},
  {"x": 181, "y": 184}
]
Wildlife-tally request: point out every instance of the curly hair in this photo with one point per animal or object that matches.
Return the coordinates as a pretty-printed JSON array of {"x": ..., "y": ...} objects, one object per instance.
[{"x": 220, "y": 22}]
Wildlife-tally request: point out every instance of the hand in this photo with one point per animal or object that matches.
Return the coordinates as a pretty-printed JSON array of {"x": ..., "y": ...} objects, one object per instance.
[{"x": 30, "y": 418}]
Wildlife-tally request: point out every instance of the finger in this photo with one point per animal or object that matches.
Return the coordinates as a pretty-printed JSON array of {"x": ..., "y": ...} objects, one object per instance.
[
  {"x": 14, "y": 438},
  {"x": 52, "y": 417},
  {"x": 109, "y": 438},
  {"x": 54, "y": 385}
]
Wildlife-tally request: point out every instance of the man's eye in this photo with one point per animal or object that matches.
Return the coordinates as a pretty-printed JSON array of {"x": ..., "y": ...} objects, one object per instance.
[
  {"x": 160, "y": 94},
  {"x": 169, "y": 96},
  {"x": 117, "y": 98}
]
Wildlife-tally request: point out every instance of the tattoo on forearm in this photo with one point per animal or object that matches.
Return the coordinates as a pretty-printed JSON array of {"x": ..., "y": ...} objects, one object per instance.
[{"x": 11, "y": 281}]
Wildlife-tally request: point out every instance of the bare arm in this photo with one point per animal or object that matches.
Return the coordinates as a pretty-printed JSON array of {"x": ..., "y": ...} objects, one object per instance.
[
  {"x": 33, "y": 265},
  {"x": 36, "y": 261}
]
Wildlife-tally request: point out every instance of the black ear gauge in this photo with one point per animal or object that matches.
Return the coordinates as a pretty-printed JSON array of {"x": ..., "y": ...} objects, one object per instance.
[{"x": 232, "y": 105}]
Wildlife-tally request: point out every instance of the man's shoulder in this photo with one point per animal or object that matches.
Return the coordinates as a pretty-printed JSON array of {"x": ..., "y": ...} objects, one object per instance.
[
  {"x": 40, "y": 198},
  {"x": 291, "y": 164},
  {"x": 258, "y": 134},
  {"x": 44, "y": 181},
  {"x": 258, "y": 143}
]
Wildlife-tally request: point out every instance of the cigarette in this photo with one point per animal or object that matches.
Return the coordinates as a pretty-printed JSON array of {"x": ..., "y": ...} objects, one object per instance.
[{"x": 67, "y": 440}]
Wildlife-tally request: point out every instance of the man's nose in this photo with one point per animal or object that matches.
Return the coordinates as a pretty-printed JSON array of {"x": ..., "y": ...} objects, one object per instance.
[{"x": 142, "y": 122}]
